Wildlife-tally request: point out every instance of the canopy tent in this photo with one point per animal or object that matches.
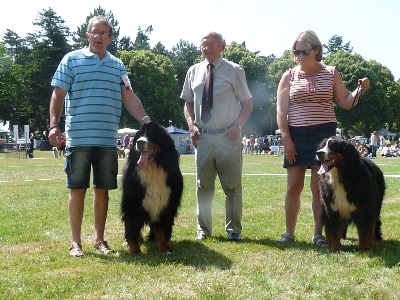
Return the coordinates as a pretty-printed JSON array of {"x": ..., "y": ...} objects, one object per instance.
[
  {"x": 124, "y": 131},
  {"x": 4, "y": 127},
  {"x": 5, "y": 135},
  {"x": 181, "y": 139},
  {"x": 175, "y": 130},
  {"x": 385, "y": 132}
]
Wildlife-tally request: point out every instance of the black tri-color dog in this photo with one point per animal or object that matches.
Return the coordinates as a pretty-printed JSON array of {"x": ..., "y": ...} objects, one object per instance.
[
  {"x": 152, "y": 187},
  {"x": 352, "y": 190}
]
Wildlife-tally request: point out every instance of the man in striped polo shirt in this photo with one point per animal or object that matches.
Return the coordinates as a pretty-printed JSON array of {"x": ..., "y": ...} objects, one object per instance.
[{"x": 91, "y": 84}]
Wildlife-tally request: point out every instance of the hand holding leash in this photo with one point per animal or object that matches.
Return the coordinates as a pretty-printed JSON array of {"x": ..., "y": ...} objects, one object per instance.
[{"x": 364, "y": 84}]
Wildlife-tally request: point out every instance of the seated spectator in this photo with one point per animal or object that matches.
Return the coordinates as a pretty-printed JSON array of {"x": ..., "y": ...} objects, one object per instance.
[
  {"x": 394, "y": 150},
  {"x": 386, "y": 150},
  {"x": 362, "y": 149},
  {"x": 266, "y": 147},
  {"x": 397, "y": 149}
]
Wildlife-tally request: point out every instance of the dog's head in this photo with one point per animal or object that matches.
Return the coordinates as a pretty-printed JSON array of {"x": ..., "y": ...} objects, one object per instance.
[
  {"x": 150, "y": 141},
  {"x": 333, "y": 152}
]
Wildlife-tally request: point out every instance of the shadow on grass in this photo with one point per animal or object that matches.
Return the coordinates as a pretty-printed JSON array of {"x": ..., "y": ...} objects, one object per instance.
[
  {"x": 190, "y": 253},
  {"x": 201, "y": 256},
  {"x": 386, "y": 250}
]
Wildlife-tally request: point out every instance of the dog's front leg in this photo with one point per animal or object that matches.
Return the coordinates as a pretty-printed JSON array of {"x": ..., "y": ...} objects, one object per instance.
[
  {"x": 162, "y": 241},
  {"x": 366, "y": 239},
  {"x": 134, "y": 246},
  {"x": 333, "y": 241}
]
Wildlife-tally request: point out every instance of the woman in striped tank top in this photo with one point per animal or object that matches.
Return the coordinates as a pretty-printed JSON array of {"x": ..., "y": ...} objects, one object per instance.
[{"x": 305, "y": 117}]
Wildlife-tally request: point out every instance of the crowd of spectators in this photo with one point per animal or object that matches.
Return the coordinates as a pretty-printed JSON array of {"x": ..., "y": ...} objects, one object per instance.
[
  {"x": 273, "y": 145},
  {"x": 268, "y": 144},
  {"x": 369, "y": 147}
]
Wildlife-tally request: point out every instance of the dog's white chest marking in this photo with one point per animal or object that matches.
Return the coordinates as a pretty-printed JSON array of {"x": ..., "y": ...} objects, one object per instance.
[
  {"x": 157, "y": 191},
  {"x": 340, "y": 202}
]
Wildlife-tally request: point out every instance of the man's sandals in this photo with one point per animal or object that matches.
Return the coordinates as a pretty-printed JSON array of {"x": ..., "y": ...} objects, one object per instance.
[
  {"x": 103, "y": 247},
  {"x": 76, "y": 249}
]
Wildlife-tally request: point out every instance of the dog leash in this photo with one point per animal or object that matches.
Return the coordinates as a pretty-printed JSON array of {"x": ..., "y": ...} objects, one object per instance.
[{"x": 358, "y": 95}]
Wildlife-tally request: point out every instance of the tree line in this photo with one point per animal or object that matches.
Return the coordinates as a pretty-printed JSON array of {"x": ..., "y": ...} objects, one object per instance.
[{"x": 157, "y": 75}]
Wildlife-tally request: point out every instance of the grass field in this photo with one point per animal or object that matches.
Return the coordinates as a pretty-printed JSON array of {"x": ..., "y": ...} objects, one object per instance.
[{"x": 35, "y": 236}]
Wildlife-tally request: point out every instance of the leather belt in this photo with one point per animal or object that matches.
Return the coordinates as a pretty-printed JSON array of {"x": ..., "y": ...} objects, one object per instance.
[{"x": 212, "y": 131}]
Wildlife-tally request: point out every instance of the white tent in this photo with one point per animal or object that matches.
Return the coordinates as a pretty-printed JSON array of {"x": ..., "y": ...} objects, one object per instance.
[
  {"x": 182, "y": 139},
  {"x": 124, "y": 131},
  {"x": 4, "y": 128}
]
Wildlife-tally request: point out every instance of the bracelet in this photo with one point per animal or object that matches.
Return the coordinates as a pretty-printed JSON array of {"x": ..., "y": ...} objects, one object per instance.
[
  {"x": 55, "y": 126},
  {"x": 144, "y": 118}
]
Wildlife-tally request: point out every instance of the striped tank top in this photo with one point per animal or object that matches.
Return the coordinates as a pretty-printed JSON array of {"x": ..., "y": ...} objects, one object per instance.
[{"x": 311, "y": 98}]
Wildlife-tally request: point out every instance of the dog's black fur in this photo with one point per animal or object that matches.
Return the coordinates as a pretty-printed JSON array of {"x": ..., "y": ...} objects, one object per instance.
[
  {"x": 152, "y": 187},
  {"x": 352, "y": 190}
]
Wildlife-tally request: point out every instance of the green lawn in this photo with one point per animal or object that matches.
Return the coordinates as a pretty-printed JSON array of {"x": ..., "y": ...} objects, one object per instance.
[{"x": 35, "y": 236}]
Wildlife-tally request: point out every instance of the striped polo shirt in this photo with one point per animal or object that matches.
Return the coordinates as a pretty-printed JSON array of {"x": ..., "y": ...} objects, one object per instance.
[
  {"x": 311, "y": 98},
  {"x": 94, "y": 99}
]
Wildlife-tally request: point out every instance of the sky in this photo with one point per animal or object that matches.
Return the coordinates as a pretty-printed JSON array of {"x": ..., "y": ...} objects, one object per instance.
[{"x": 371, "y": 26}]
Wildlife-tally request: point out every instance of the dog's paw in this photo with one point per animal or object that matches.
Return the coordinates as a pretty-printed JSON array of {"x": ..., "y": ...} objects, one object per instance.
[{"x": 169, "y": 251}]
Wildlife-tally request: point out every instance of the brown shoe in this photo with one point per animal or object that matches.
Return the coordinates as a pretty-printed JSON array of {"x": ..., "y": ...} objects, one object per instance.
[
  {"x": 76, "y": 250},
  {"x": 103, "y": 247}
]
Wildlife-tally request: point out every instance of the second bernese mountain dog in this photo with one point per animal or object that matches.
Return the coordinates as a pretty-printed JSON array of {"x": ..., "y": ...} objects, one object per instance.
[{"x": 352, "y": 190}]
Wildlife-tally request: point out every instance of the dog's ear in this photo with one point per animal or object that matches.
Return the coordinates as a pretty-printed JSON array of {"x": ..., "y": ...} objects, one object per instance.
[{"x": 322, "y": 144}]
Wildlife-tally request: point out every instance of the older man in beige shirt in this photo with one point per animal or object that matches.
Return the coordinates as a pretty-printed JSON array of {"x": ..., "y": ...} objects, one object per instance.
[{"x": 217, "y": 140}]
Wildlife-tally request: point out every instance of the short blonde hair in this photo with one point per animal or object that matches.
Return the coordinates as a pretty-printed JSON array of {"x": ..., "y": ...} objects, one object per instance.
[{"x": 308, "y": 37}]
